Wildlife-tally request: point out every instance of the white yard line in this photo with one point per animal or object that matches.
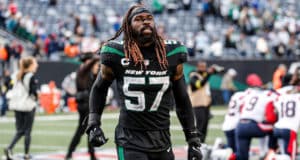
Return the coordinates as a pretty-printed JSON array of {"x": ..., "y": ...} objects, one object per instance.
[
  {"x": 33, "y": 146},
  {"x": 68, "y": 133},
  {"x": 75, "y": 117}
]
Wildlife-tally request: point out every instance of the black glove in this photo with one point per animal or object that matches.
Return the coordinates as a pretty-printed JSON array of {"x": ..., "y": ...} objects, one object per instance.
[
  {"x": 194, "y": 142},
  {"x": 95, "y": 134}
]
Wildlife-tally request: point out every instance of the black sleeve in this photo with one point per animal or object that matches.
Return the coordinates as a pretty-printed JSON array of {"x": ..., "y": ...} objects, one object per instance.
[
  {"x": 97, "y": 99},
  {"x": 183, "y": 106},
  {"x": 33, "y": 86}
]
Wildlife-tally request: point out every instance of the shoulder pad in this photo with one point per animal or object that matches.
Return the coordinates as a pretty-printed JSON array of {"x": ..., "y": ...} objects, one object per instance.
[
  {"x": 112, "y": 53},
  {"x": 175, "y": 47},
  {"x": 113, "y": 47},
  {"x": 176, "y": 52}
]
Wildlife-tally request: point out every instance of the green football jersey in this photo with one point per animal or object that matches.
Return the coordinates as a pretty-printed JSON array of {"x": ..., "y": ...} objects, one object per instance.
[{"x": 146, "y": 94}]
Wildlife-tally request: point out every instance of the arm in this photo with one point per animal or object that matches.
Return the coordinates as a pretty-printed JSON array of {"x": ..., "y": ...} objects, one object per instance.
[
  {"x": 270, "y": 114},
  {"x": 198, "y": 83},
  {"x": 33, "y": 86},
  {"x": 85, "y": 67},
  {"x": 186, "y": 115},
  {"x": 184, "y": 109},
  {"x": 97, "y": 103},
  {"x": 183, "y": 105},
  {"x": 98, "y": 95}
]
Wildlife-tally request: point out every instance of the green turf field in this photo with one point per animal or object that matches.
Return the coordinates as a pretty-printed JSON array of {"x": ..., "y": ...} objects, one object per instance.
[{"x": 54, "y": 135}]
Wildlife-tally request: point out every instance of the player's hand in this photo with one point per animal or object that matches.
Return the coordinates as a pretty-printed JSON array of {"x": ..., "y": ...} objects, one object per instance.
[
  {"x": 96, "y": 136},
  {"x": 194, "y": 152}
]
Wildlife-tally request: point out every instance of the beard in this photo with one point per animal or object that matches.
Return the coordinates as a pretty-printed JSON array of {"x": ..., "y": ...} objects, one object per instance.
[{"x": 142, "y": 38}]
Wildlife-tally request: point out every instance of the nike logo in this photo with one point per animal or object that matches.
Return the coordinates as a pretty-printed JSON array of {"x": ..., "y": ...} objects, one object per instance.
[{"x": 169, "y": 149}]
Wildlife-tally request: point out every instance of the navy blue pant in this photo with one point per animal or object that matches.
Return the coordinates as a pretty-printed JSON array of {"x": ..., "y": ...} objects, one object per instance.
[
  {"x": 289, "y": 138},
  {"x": 230, "y": 136},
  {"x": 245, "y": 131}
]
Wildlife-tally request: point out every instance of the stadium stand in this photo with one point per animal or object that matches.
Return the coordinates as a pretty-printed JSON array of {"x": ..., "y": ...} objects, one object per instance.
[{"x": 238, "y": 29}]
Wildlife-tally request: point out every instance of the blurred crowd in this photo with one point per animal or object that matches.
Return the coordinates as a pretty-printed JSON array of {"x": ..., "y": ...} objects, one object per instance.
[
  {"x": 267, "y": 29},
  {"x": 65, "y": 42}
]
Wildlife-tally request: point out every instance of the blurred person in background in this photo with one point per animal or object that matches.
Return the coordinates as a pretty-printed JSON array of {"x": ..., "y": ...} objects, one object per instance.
[
  {"x": 199, "y": 92},
  {"x": 278, "y": 75},
  {"x": 257, "y": 117},
  {"x": 295, "y": 80},
  {"x": 287, "y": 125},
  {"x": 227, "y": 84},
  {"x": 5, "y": 86},
  {"x": 86, "y": 75},
  {"x": 24, "y": 120}
]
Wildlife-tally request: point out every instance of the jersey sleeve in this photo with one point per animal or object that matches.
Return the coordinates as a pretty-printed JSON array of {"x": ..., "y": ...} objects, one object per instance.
[
  {"x": 112, "y": 53},
  {"x": 270, "y": 114},
  {"x": 176, "y": 52}
]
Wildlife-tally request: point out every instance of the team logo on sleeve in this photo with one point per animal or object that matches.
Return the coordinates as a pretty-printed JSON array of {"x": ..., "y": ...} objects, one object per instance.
[{"x": 125, "y": 62}]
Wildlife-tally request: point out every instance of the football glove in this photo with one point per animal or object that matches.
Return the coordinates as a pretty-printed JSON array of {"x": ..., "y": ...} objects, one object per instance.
[
  {"x": 194, "y": 142},
  {"x": 96, "y": 136},
  {"x": 194, "y": 152}
]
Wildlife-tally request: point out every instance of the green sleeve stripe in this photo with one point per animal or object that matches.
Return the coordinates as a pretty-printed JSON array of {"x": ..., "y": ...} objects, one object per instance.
[
  {"x": 121, "y": 153},
  {"x": 108, "y": 50},
  {"x": 181, "y": 49}
]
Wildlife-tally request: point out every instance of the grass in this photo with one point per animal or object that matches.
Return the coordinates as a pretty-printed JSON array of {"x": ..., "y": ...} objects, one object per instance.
[
  {"x": 55, "y": 136},
  {"x": 50, "y": 136}
]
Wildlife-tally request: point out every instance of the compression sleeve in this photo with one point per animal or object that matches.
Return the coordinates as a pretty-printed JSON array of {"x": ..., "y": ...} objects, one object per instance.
[
  {"x": 184, "y": 109},
  {"x": 97, "y": 99}
]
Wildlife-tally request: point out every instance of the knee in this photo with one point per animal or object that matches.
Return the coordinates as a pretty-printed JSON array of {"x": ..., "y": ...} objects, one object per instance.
[
  {"x": 20, "y": 133},
  {"x": 27, "y": 134}
]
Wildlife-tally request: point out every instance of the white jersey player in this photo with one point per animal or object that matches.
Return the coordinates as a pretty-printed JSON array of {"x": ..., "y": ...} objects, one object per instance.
[
  {"x": 233, "y": 113},
  {"x": 256, "y": 119},
  {"x": 232, "y": 119},
  {"x": 288, "y": 107},
  {"x": 256, "y": 104}
]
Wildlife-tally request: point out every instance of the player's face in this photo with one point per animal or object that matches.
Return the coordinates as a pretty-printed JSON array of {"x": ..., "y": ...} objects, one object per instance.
[{"x": 143, "y": 25}]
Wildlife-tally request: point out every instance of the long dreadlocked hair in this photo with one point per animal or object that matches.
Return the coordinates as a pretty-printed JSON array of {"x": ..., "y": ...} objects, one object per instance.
[{"x": 131, "y": 47}]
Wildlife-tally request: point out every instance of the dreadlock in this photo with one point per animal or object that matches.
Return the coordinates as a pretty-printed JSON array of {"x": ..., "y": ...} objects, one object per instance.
[{"x": 131, "y": 47}]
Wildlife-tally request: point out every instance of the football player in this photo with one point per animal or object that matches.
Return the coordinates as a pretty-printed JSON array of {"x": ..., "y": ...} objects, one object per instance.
[
  {"x": 232, "y": 118},
  {"x": 147, "y": 69},
  {"x": 256, "y": 120},
  {"x": 288, "y": 106}
]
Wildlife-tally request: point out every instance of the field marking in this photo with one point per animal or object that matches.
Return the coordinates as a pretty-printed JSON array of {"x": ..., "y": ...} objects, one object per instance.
[
  {"x": 34, "y": 146},
  {"x": 68, "y": 133},
  {"x": 75, "y": 117}
]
